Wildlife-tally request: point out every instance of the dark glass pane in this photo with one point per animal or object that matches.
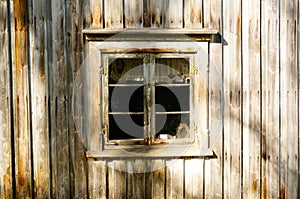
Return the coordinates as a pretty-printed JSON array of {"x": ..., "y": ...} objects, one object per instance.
[
  {"x": 126, "y": 71},
  {"x": 126, "y": 99},
  {"x": 176, "y": 125},
  {"x": 172, "y": 71},
  {"x": 173, "y": 98},
  {"x": 126, "y": 127}
]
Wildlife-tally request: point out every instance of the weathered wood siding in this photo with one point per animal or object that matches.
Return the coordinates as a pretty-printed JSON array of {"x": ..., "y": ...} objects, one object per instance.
[{"x": 253, "y": 96}]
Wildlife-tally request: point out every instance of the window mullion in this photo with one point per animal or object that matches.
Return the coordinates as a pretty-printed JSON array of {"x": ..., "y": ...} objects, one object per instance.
[
  {"x": 149, "y": 71},
  {"x": 146, "y": 116},
  {"x": 152, "y": 97}
]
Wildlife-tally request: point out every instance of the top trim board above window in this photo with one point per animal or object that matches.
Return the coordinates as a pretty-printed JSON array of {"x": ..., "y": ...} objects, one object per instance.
[{"x": 152, "y": 34}]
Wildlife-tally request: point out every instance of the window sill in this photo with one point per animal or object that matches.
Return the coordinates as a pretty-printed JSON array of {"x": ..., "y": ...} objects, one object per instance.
[{"x": 149, "y": 152}]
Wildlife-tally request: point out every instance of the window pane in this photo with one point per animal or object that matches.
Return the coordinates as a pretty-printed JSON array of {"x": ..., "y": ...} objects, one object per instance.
[
  {"x": 126, "y": 99},
  {"x": 126, "y": 70},
  {"x": 126, "y": 127},
  {"x": 173, "y": 125},
  {"x": 172, "y": 70},
  {"x": 172, "y": 98}
]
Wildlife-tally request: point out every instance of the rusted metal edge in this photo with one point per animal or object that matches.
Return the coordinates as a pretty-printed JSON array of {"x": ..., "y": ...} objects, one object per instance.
[
  {"x": 198, "y": 35},
  {"x": 166, "y": 152}
]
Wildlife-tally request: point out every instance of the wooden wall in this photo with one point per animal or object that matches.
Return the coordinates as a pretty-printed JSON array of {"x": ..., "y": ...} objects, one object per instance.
[{"x": 257, "y": 101}]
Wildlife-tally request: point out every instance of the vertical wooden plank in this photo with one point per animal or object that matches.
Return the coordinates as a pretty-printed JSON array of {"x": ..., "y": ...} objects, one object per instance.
[
  {"x": 246, "y": 104},
  {"x": 21, "y": 100},
  {"x": 5, "y": 131},
  {"x": 87, "y": 17},
  {"x": 116, "y": 179},
  {"x": 207, "y": 179},
  {"x": 251, "y": 100},
  {"x": 136, "y": 178},
  {"x": 173, "y": 14},
  {"x": 292, "y": 98},
  {"x": 174, "y": 178},
  {"x": 226, "y": 50},
  {"x": 113, "y": 14},
  {"x": 155, "y": 178},
  {"x": 289, "y": 143},
  {"x": 60, "y": 138},
  {"x": 264, "y": 116},
  {"x": 215, "y": 117},
  {"x": 298, "y": 85},
  {"x": 194, "y": 178},
  {"x": 206, "y": 17},
  {"x": 270, "y": 80},
  {"x": 146, "y": 13},
  {"x": 193, "y": 14},
  {"x": 213, "y": 167},
  {"x": 49, "y": 60},
  {"x": 97, "y": 178},
  {"x": 133, "y": 10},
  {"x": 156, "y": 13},
  {"x": 283, "y": 101},
  {"x": 96, "y": 13},
  {"x": 232, "y": 101},
  {"x": 212, "y": 14},
  {"x": 149, "y": 178},
  {"x": 39, "y": 99},
  {"x": 75, "y": 60}
]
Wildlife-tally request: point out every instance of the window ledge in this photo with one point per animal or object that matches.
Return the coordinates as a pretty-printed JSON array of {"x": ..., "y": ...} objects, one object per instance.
[
  {"x": 166, "y": 152},
  {"x": 152, "y": 34}
]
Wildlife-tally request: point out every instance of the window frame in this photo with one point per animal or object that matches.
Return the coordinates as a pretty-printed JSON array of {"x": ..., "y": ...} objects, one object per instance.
[
  {"x": 148, "y": 59},
  {"x": 148, "y": 41}
]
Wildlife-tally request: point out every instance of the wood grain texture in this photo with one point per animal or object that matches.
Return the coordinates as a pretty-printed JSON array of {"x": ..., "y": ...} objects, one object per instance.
[
  {"x": 39, "y": 99},
  {"x": 212, "y": 14},
  {"x": 97, "y": 172},
  {"x": 283, "y": 89},
  {"x": 116, "y": 179},
  {"x": 155, "y": 178},
  {"x": 92, "y": 122},
  {"x": 87, "y": 17},
  {"x": 194, "y": 178},
  {"x": 136, "y": 185},
  {"x": 133, "y": 11},
  {"x": 74, "y": 62},
  {"x": 201, "y": 82},
  {"x": 174, "y": 178},
  {"x": 193, "y": 14},
  {"x": 232, "y": 101},
  {"x": 113, "y": 12},
  {"x": 5, "y": 123},
  {"x": 156, "y": 13},
  {"x": 251, "y": 100},
  {"x": 288, "y": 86},
  {"x": 207, "y": 177},
  {"x": 96, "y": 13},
  {"x": 21, "y": 99},
  {"x": 59, "y": 104},
  {"x": 215, "y": 117},
  {"x": 270, "y": 81},
  {"x": 173, "y": 14}
]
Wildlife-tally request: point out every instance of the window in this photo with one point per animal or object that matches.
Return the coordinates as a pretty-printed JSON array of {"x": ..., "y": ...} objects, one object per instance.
[{"x": 148, "y": 98}]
